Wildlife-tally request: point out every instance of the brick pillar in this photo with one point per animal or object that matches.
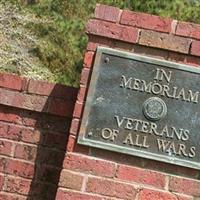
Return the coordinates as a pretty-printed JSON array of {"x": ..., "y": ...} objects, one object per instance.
[{"x": 94, "y": 174}]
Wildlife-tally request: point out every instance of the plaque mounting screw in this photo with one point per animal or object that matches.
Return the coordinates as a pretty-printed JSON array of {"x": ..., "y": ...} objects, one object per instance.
[
  {"x": 90, "y": 134},
  {"x": 107, "y": 60}
]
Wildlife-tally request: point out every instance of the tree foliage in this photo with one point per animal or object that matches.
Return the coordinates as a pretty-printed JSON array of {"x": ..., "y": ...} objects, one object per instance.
[{"x": 62, "y": 39}]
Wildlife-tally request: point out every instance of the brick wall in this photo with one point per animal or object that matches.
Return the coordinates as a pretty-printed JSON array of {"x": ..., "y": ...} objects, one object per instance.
[
  {"x": 39, "y": 123},
  {"x": 94, "y": 174},
  {"x": 34, "y": 124}
]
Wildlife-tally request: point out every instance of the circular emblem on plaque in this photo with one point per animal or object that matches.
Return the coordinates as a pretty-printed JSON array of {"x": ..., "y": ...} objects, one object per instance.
[{"x": 154, "y": 108}]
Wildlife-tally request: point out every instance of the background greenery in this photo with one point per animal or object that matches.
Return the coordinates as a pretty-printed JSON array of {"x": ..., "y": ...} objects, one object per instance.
[{"x": 59, "y": 30}]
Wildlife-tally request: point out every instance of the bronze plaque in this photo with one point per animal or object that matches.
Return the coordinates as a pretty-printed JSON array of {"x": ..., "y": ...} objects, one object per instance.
[{"x": 144, "y": 107}]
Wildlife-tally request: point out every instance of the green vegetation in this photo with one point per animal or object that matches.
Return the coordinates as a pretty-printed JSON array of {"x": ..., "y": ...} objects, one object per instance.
[{"x": 57, "y": 31}]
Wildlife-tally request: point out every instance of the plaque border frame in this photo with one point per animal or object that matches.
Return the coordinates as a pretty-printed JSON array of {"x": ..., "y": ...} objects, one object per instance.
[{"x": 91, "y": 89}]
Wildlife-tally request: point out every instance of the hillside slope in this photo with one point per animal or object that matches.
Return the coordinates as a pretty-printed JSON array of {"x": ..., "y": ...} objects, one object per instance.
[{"x": 17, "y": 43}]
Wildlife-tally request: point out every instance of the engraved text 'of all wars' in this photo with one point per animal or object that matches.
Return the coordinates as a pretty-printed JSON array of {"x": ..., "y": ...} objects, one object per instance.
[
  {"x": 157, "y": 88},
  {"x": 165, "y": 136}
]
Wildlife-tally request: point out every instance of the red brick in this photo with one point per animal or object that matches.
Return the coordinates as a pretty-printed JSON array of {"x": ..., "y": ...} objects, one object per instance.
[
  {"x": 195, "y": 49},
  {"x": 55, "y": 140},
  {"x": 81, "y": 149},
  {"x": 185, "y": 197},
  {"x": 142, "y": 176},
  {"x": 5, "y": 148},
  {"x": 19, "y": 133},
  {"x": 174, "y": 26},
  {"x": 149, "y": 51},
  {"x": 117, "y": 157},
  {"x": 124, "y": 46},
  {"x": 71, "y": 180},
  {"x": 29, "y": 121},
  {"x": 25, "y": 152},
  {"x": 42, "y": 191},
  {"x": 78, "y": 110},
  {"x": 19, "y": 168},
  {"x": 3, "y": 129},
  {"x": 32, "y": 102},
  {"x": 12, "y": 132},
  {"x": 35, "y": 103},
  {"x": 164, "y": 41},
  {"x": 46, "y": 122},
  {"x": 48, "y": 174},
  {"x": 184, "y": 59},
  {"x": 176, "y": 57},
  {"x": 11, "y": 81},
  {"x": 107, "y": 13},
  {"x": 61, "y": 107},
  {"x": 147, "y": 194},
  {"x": 170, "y": 168},
  {"x": 25, "y": 84},
  {"x": 1, "y": 182},
  {"x": 71, "y": 143},
  {"x": 111, "y": 188},
  {"x": 95, "y": 41},
  {"x": 7, "y": 196},
  {"x": 74, "y": 126},
  {"x": 31, "y": 136},
  {"x": 111, "y": 30},
  {"x": 73, "y": 146},
  {"x": 54, "y": 123},
  {"x": 89, "y": 165},
  {"x": 71, "y": 195},
  {"x": 188, "y": 30},
  {"x": 3, "y": 164},
  {"x": 50, "y": 89},
  {"x": 88, "y": 59},
  {"x": 146, "y": 21},
  {"x": 192, "y": 60},
  {"x": 25, "y": 101},
  {"x": 50, "y": 156},
  {"x": 9, "y": 115},
  {"x": 17, "y": 185},
  {"x": 85, "y": 75},
  {"x": 184, "y": 186}
]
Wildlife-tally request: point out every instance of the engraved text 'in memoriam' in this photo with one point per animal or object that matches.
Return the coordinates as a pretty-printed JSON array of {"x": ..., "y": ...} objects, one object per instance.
[{"x": 157, "y": 88}]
